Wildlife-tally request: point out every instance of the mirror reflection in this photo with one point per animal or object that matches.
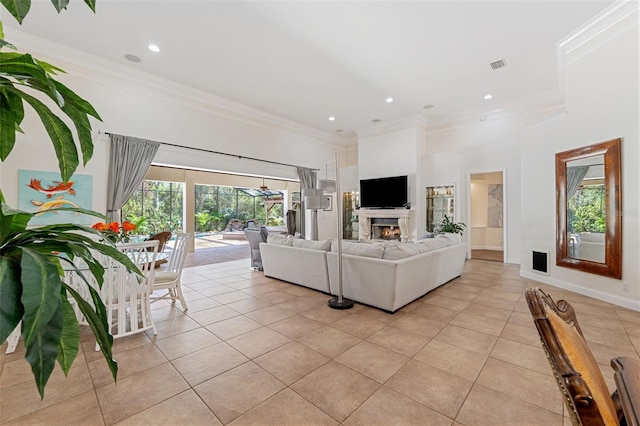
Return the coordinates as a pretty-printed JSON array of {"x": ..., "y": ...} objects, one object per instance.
[{"x": 586, "y": 209}]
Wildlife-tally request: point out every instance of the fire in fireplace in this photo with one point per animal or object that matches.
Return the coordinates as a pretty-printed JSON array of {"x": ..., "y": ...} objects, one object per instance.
[{"x": 385, "y": 229}]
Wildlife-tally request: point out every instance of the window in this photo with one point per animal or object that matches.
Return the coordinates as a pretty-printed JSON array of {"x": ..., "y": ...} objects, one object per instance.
[{"x": 156, "y": 206}]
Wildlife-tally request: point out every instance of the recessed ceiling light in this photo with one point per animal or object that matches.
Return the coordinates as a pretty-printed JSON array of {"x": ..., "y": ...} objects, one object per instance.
[
  {"x": 132, "y": 58},
  {"x": 489, "y": 96},
  {"x": 429, "y": 106},
  {"x": 389, "y": 100},
  {"x": 332, "y": 118},
  {"x": 376, "y": 120},
  {"x": 154, "y": 48}
]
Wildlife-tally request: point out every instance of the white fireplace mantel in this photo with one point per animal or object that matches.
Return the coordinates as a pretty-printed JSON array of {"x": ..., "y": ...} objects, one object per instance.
[{"x": 404, "y": 217}]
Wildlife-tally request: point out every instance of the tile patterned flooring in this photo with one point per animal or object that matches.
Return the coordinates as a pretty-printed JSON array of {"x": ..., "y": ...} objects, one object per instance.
[{"x": 253, "y": 350}]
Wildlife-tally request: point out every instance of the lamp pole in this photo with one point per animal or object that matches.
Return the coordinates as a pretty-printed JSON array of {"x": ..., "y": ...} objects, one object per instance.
[{"x": 339, "y": 302}]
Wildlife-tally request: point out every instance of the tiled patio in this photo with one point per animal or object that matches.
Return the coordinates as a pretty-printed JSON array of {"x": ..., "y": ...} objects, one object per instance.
[{"x": 253, "y": 350}]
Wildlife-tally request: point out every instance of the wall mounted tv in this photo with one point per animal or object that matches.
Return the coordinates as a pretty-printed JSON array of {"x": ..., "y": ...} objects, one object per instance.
[{"x": 383, "y": 193}]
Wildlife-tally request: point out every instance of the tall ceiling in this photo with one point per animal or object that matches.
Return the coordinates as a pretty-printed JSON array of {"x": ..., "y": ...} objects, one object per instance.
[{"x": 308, "y": 60}]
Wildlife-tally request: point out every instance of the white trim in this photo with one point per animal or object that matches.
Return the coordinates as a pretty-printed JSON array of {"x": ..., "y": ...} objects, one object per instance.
[
  {"x": 112, "y": 73},
  {"x": 492, "y": 248},
  {"x": 513, "y": 261},
  {"x": 567, "y": 48},
  {"x": 585, "y": 291}
]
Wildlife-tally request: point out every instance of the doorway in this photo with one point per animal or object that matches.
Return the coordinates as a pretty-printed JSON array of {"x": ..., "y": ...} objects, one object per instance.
[{"x": 487, "y": 208}]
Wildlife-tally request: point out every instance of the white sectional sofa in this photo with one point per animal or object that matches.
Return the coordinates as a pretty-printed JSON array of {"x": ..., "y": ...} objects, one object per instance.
[{"x": 386, "y": 275}]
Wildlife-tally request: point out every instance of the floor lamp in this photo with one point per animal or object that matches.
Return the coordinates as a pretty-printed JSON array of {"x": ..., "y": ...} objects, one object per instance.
[{"x": 339, "y": 302}]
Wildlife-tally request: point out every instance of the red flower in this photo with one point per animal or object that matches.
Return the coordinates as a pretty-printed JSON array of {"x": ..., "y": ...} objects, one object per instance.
[
  {"x": 128, "y": 226},
  {"x": 114, "y": 227},
  {"x": 100, "y": 226}
]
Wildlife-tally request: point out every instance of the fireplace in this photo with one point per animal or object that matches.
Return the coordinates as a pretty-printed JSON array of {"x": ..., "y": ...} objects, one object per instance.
[
  {"x": 385, "y": 229},
  {"x": 385, "y": 224}
]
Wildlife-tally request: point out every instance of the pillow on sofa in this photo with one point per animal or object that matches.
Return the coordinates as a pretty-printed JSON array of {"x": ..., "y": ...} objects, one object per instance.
[
  {"x": 403, "y": 250},
  {"x": 374, "y": 250},
  {"x": 450, "y": 239},
  {"x": 279, "y": 240},
  {"x": 433, "y": 243},
  {"x": 313, "y": 245}
]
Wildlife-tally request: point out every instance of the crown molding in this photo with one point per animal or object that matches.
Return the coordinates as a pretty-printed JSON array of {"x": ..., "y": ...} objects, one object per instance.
[
  {"x": 399, "y": 125},
  {"x": 105, "y": 71},
  {"x": 584, "y": 39}
]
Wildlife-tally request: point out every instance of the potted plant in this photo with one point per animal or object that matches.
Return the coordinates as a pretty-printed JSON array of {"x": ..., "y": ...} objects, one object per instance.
[
  {"x": 32, "y": 292},
  {"x": 449, "y": 226}
]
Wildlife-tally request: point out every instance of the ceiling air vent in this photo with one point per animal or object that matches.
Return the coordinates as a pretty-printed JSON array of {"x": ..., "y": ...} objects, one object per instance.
[{"x": 498, "y": 64}]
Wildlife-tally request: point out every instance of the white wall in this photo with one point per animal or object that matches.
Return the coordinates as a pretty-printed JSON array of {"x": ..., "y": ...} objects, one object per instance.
[
  {"x": 135, "y": 104},
  {"x": 602, "y": 94}
]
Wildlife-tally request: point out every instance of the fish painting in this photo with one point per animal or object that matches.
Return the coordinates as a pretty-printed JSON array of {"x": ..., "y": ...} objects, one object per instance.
[
  {"x": 52, "y": 190},
  {"x": 59, "y": 202}
]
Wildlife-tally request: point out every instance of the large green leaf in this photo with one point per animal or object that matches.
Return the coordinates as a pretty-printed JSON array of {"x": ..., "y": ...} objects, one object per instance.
[
  {"x": 43, "y": 348},
  {"x": 60, "y": 135},
  {"x": 26, "y": 70},
  {"x": 60, "y": 4},
  {"x": 70, "y": 336},
  {"x": 18, "y": 8},
  {"x": 12, "y": 221},
  {"x": 97, "y": 320},
  {"x": 11, "y": 309},
  {"x": 40, "y": 292},
  {"x": 7, "y": 127},
  {"x": 91, "y": 4}
]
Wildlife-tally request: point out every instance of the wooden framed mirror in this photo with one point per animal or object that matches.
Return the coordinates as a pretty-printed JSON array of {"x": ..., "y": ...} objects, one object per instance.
[{"x": 588, "y": 209}]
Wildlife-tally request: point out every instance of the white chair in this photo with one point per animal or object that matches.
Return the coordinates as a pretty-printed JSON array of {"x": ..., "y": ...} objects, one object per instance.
[
  {"x": 169, "y": 279},
  {"x": 125, "y": 294}
]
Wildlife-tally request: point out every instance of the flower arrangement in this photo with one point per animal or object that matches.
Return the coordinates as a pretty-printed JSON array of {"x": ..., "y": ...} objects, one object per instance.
[{"x": 115, "y": 232}]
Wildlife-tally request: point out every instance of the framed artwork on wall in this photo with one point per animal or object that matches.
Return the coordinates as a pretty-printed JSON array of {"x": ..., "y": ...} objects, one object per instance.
[{"x": 39, "y": 192}]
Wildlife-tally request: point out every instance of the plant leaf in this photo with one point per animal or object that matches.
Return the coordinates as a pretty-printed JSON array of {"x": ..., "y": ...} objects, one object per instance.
[
  {"x": 7, "y": 127},
  {"x": 11, "y": 309},
  {"x": 91, "y": 4},
  {"x": 70, "y": 336},
  {"x": 26, "y": 70},
  {"x": 40, "y": 295},
  {"x": 12, "y": 221},
  {"x": 18, "y": 8},
  {"x": 60, "y": 4},
  {"x": 43, "y": 347},
  {"x": 97, "y": 320},
  {"x": 60, "y": 135}
]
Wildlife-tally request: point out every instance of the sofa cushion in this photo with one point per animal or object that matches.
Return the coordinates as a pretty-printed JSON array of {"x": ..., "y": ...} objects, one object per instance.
[
  {"x": 450, "y": 239},
  {"x": 397, "y": 250},
  {"x": 313, "y": 245},
  {"x": 433, "y": 243},
  {"x": 354, "y": 248},
  {"x": 280, "y": 240}
]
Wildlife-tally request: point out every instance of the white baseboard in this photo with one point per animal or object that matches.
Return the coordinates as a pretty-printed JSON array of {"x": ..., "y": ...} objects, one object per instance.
[
  {"x": 513, "y": 261},
  {"x": 495, "y": 248},
  {"x": 625, "y": 302}
]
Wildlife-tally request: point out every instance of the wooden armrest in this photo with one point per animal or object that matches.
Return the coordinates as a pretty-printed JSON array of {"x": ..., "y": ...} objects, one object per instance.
[{"x": 627, "y": 377}]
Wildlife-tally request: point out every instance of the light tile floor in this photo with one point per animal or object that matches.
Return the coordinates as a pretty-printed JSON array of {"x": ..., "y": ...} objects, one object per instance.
[{"x": 253, "y": 350}]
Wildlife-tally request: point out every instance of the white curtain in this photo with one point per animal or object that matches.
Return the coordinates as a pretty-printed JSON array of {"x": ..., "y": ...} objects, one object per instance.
[{"x": 307, "y": 181}]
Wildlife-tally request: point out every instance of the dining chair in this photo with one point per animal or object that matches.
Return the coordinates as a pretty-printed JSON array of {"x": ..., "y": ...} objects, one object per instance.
[
  {"x": 125, "y": 294},
  {"x": 163, "y": 238},
  {"x": 575, "y": 369},
  {"x": 167, "y": 282}
]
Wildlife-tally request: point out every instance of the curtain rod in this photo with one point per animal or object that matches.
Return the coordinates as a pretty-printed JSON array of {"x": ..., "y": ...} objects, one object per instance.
[{"x": 240, "y": 157}]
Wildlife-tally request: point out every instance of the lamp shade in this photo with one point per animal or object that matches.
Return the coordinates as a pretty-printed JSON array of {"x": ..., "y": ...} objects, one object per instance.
[
  {"x": 314, "y": 199},
  {"x": 327, "y": 185}
]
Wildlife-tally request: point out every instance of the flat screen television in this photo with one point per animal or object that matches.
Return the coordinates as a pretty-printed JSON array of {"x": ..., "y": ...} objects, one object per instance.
[{"x": 383, "y": 193}]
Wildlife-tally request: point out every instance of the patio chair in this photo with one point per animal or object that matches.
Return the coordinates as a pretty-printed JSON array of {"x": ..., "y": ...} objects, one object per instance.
[
  {"x": 125, "y": 294},
  {"x": 255, "y": 237},
  {"x": 169, "y": 280},
  {"x": 574, "y": 367}
]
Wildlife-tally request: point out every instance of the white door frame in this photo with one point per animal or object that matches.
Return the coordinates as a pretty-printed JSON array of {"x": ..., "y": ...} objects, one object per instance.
[{"x": 505, "y": 221}]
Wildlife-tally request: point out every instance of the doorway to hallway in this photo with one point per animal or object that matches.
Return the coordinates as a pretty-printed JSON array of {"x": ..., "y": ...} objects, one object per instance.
[{"x": 487, "y": 208}]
